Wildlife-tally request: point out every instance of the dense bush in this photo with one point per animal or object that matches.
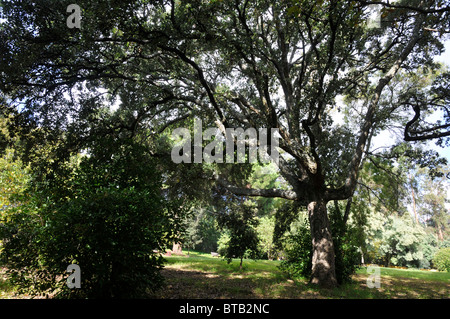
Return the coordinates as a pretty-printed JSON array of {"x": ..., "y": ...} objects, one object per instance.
[
  {"x": 298, "y": 252},
  {"x": 429, "y": 247},
  {"x": 347, "y": 252},
  {"x": 202, "y": 232},
  {"x": 106, "y": 215},
  {"x": 441, "y": 259},
  {"x": 223, "y": 242}
]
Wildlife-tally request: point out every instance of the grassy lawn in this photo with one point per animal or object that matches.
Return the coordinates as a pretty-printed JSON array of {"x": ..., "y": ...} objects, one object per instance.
[{"x": 202, "y": 276}]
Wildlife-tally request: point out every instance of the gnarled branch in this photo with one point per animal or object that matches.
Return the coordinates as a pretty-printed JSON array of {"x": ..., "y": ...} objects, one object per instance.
[{"x": 271, "y": 192}]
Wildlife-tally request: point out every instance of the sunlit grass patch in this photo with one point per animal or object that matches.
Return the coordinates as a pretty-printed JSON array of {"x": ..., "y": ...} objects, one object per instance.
[{"x": 264, "y": 279}]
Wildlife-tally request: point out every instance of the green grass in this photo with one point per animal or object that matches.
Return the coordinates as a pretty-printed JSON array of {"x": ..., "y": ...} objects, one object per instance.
[
  {"x": 204, "y": 276},
  {"x": 413, "y": 274},
  {"x": 205, "y": 262}
]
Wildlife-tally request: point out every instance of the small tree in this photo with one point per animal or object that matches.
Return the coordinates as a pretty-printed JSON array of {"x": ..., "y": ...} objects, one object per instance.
[
  {"x": 209, "y": 232},
  {"x": 298, "y": 250},
  {"x": 201, "y": 231},
  {"x": 222, "y": 242},
  {"x": 265, "y": 233},
  {"x": 192, "y": 236},
  {"x": 241, "y": 222}
]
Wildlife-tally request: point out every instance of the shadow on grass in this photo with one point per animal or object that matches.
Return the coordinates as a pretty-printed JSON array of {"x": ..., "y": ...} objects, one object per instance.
[
  {"x": 201, "y": 278},
  {"x": 405, "y": 288},
  {"x": 193, "y": 284}
]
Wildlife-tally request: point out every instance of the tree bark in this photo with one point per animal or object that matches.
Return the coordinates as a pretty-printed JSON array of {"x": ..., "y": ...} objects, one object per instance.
[
  {"x": 440, "y": 234},
  {"x": 413, "y": 200},
  {"x": 323, "y": 258},
  {"x": 176, "y": 249}
]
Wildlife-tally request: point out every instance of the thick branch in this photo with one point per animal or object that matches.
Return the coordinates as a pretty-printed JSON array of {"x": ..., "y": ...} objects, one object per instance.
[
  {"x": 202, "y": 80},
  {"x": 272, "y": 192},
  {"x": 426, "y": 137},
  {"x": 400, "y": 6},
  {"x": 407, "y": 133},
  {"x": 351, "y": 180}
]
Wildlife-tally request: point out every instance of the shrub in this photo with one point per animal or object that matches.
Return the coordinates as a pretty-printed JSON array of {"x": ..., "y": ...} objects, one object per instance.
[
  {"x": 105, "y": 216},
  {"x": 345, "y": 241},
  {"x": 298, "y": 252},
  {"x": 441, "y": 259},
  {"x": 223, "y": 242}
]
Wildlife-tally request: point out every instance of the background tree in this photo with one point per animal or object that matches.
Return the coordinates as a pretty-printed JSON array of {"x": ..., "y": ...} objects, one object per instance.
[
  {"x": 265, "y": 231},
  {"x": 192, "y": 236},
  {"x": 14, "y": 179},
  {"x": 209, "y": 232},
  {"x": 389, "y": 231},
  {"x": 241, "y": 223},
  {"x": 432, "y": 204}
]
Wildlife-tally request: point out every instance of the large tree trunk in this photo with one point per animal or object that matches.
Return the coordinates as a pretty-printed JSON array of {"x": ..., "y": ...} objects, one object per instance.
[{"x": 323, "y": 258}]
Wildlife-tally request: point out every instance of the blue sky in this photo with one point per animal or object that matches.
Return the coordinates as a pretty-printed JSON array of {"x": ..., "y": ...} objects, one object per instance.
[
  {"x": 444, "y": 58},
  {"x": 388, "y": 138}
]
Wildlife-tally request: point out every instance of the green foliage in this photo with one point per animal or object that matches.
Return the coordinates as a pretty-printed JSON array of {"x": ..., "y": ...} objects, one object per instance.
[
  {"x": 265, "y": 231},
  {"x": 395, "y": 240},
  {"x": 209, "y": 233},
  {"x": 298, "y": 248},
  {"x": 298, "y": 251},
  {"x": 202, "y": 230},
  {"x": 264, "y": 177},
  {"x": 241, "y": 222},
  {"x": 378, "y": 173},
  {"x": 223, "y": 242},
  {"x": 388, "y": 183},
  {"x": 346, "y": 246},
  {"x": 106, "y": 215},
  {"x": 442, "y": 259},
  {"x": 191, "y": 236},
  {"x": 13, "y": 180},
  {"x": 429, "y": 246},
  {"x": 285, "y": 215},
  {"x": 432, "y": 199}
]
